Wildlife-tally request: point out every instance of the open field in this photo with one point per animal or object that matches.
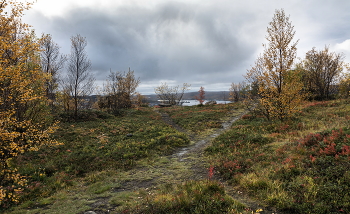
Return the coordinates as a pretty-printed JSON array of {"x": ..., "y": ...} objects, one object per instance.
[
  {"x": 134, "y": 163},
  {"x": 107, "y": 161}
]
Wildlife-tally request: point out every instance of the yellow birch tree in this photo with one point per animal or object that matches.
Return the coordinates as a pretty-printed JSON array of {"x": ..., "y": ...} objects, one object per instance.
[
  {"x": 279, "y": 87},
  {"x": 24, "y": 124}
]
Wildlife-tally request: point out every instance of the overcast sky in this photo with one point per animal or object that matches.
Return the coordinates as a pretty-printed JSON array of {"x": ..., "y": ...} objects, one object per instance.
[{"x": 202, "y": 42}]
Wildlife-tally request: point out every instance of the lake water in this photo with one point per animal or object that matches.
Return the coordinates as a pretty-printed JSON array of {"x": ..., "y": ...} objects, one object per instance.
[{"x": 195, "y": 102}]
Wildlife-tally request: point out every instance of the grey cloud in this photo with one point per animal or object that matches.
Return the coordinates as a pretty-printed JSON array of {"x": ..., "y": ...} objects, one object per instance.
[
  {"x": 185, "y": 42},
  {"x": 152, "y": 42}
]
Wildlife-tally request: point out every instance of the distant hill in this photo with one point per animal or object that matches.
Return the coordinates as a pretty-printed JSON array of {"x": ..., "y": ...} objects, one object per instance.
[{"x": 209, "y": 95}]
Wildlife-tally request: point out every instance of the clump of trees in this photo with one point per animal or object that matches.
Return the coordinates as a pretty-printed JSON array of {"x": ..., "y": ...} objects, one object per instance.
[
  {"x": 119, "y": 91},
  {"x": 321, "y": 73},
  {"x": 238, "y": 91},
  {"x": 25, "y": 124},
  {"x": 277, "y": 89},
  {"x": 72, "y": 92},
  {"x": 171, "y": 95},
  {"x": 31, "y": 87},
  {"x": 278, "y": 85}
]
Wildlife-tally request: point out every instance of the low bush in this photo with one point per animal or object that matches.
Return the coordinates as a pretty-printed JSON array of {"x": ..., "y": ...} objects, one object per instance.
[
  {"x": 83, "y": 115},
  {"x": 321, "y": 184},
  {"x": 190, "y": 197}
]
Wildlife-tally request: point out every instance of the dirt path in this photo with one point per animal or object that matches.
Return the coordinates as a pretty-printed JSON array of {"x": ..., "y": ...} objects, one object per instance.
[
  {"x": 193, "y": 156},
  {"x": 187, "y": 163}
]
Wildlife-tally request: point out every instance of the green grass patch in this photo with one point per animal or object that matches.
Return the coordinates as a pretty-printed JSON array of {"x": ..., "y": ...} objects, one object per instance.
[
  {"x": 100, "y": 154},
  {"x": 107, "y": 143},
  {"x": 199, "y": 119},
  {"x": 190, "y": 197},
  {"x": 298, "y": 166}
]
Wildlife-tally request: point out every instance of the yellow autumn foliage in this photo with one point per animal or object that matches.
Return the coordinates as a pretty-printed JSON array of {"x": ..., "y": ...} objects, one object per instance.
[
  {"x": 277, "y": 87},
  {"x": 24, "y": 121},
  {"x": 344, "y": 86}
]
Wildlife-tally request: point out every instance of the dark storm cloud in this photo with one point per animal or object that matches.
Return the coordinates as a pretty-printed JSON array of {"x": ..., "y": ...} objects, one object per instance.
[
  {"x": 170, "y": 41},
  {"x": 201, "y": 43}
]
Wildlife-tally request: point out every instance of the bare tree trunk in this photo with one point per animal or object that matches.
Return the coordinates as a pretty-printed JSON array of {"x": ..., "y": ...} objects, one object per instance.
[
  {"x": 79, "y": 81},
  {"x": 51, "y": 62}
]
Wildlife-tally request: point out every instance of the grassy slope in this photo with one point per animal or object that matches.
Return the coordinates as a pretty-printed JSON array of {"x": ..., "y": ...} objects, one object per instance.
[
  {"x": 100, "y": 145},
  {"x": 299, "y": 166},
  {"x": 279, "y": 163},
  {"x": 198, "y": 119},
  {"x": 99, "y": 167}
]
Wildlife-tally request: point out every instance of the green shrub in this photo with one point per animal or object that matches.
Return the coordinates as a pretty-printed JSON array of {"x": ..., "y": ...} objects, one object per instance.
[{"x": 190, "y": 197}]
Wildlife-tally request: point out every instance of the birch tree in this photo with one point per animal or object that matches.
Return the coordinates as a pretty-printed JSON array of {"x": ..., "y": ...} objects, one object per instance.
[
  {"x": 24, "y": 119},
  {"x": 79, "y": 82},
  {"x": 201, "y": 95},
  {"x": 279, "y": 86},
  {"x": 51, "y": 63}
]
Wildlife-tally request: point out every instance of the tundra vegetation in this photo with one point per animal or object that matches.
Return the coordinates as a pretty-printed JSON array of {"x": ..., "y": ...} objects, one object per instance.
[{"x": 286, "y": 153}]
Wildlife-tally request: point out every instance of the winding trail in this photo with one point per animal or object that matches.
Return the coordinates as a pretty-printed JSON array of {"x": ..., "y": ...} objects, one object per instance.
[
  {"x": 194, "y": 157},
  {"x": 186, "y": 163}
]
